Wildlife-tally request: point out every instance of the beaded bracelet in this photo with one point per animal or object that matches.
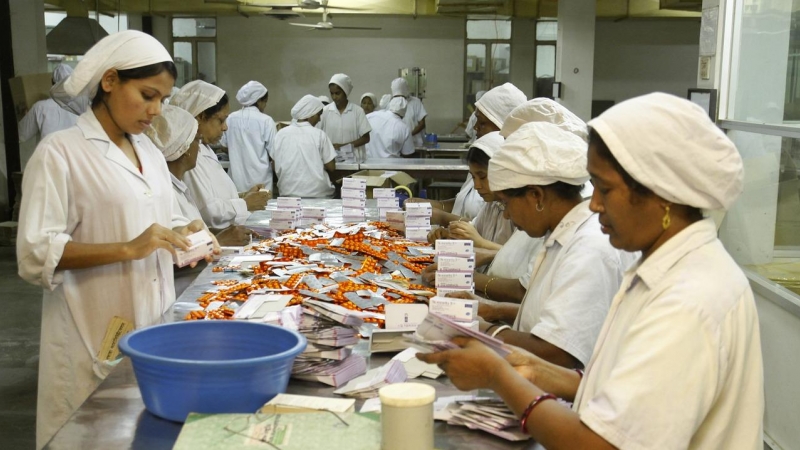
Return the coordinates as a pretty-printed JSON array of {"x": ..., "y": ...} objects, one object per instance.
[{"x": 523, "y": 422}]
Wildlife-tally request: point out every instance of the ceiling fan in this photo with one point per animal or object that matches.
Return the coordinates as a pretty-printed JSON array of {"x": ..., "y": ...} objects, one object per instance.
[{"x": 325, "y": 24}]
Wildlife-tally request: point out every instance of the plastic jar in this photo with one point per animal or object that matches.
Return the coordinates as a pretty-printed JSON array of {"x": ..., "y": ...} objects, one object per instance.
[{"x": 407, "y": 416}]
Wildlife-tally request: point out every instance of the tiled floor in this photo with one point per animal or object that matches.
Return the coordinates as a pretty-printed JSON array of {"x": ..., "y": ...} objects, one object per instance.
[{"x": 20, "y": 322}]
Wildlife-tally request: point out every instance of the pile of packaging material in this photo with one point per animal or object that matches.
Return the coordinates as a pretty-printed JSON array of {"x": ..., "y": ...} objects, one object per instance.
[{"x": 455, "y": 266}]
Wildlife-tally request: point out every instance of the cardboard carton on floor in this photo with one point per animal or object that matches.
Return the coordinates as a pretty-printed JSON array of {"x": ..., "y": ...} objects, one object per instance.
[
  {"x": 29, "y": 89},
  {"x": 383, "y": 179}
]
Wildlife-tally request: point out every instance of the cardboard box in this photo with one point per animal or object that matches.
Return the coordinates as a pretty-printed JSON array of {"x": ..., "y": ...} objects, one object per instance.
[
  {"x": 385, "y": 202},
  {"x": 285, "y": 214},
  {"x": 454, "y": 247},
  {"x": 201, "y": 246},
  {"x": 354, "y": 183},
  {"x": 383, "y": 193},
  {"x": 396, "y": 216},
  {"x": 455, "y": 264},
  {"x": 283, "y": 224},
  {"x": 419, "y": 209},
  {"x": 354, "y": 193},
  {"x": 381, "y": 179},
  {"x": 313, "y": 212},
  {"x": 418, "y": 221},
  {"x": 349, "y": 202},
  {"x": 442, "y": 291},
  {"x": 454, "y": 279},
  {"x": 289, "y": 203},
  {"x": 383, "y": 211},
  {"x": 29, "y": 89},
  {"x": 458, "y": 309},
  {"x": 419, "y": 234}
]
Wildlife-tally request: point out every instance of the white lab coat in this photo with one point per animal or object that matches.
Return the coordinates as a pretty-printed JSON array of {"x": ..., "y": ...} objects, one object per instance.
[
  {"x": 186, "y": 204},
  {"x": 249, "y": 139},
  {"x": 468, "y": 201},
  {"x": 415, "y": 112},
  {"x": 678, "y": 362},
  {"x": 214, "y": 193},
  {"x": 491, "y": 224},
  {"x": 45, "y": 117},
  {"x": 575, "y": 276},
  {"x": 79, "y": 186},
  {"x": 299, "y": 154},
  {"x": 344, "y": 127},
  {"x": 515, "y": 258},
  {"x": 390, "y": 137}
]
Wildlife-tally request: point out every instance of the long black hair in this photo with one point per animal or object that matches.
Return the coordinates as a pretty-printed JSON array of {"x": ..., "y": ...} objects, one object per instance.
[{"x": 138, "y": 73}]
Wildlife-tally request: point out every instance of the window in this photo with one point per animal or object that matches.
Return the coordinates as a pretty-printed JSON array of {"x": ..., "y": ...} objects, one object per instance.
[
  {"x": 488, "y": 58},
  {"x": 194, "y": 49}
]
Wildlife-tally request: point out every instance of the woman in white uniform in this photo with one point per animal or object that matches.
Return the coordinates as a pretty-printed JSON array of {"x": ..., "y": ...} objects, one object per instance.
[
  {"x": 345, "y": 122},
  {"x": 390, "y": 137},
  {"x": 369, "y": 103},
  {"x": 489, "y": 229},
  {"x": 304, "y": 156},
  {"x": 98, "y": 221},
  {"x": 415, "y": 112},
  {"x": 213, "y": 191},
  {"x": 678, "y": 363}
]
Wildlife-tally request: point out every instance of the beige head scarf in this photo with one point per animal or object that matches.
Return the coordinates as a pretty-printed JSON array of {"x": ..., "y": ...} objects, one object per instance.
[
  {"x": 538, "y": 154},
  {"x": 671, "y": 146},
  {"x": 499, "y": 102},
  {"x": 172, "y": 132},
  {"x": 544, "y": 110},
  {"x": 197, "y": 96}
]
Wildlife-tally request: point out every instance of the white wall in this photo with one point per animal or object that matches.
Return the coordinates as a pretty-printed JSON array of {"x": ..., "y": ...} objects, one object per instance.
[
  {"x": 575, "y": 55},
  {"x": 635, "y": 57},
  {"x": 293, "y": 62}
]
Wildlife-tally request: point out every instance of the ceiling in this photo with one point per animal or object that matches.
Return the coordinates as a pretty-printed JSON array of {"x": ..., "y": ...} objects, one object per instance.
[{"x": 608, "y": 9}]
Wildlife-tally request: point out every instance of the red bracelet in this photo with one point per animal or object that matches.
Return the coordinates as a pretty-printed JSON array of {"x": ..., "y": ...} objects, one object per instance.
[{"x": 523, "y": 421}]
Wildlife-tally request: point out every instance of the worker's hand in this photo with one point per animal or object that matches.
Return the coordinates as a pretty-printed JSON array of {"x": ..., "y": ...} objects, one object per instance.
[
  {"x": 235, "y": 236},
  {"x": 153, "y": 238},
  {"x": 429, "y": 274},
  {"x": 195, "y": 226},
  {"x": 487, "y": 310},
  {"x": 438, "y": 233},
  {"x": 256, "y": 201},
  {"x": 464, "y": 230},
  {"x": 338, "y": 146},
  {"x": 474, "y": 366},
  {"x": 465, "y": 295},
  {"x": 525, "y": 363}
]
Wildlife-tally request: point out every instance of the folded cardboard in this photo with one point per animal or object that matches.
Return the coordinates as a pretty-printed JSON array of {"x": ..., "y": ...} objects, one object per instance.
[{"x": 380, "y": 179}]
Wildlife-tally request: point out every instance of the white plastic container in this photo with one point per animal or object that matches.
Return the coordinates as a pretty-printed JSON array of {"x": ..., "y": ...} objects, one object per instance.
[{"x": 407, "y": 416}]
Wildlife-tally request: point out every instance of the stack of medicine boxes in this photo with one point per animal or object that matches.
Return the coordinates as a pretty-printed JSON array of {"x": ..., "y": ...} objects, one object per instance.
[
  {"x": 313, "y": 215},
  {"x": 354, "y": 199},
  {"x": 418, "y": 221},
  {"x": 455, "y": 262},
  {"x": 288, "y": 214},
  {"x": 387, "y": 201}
]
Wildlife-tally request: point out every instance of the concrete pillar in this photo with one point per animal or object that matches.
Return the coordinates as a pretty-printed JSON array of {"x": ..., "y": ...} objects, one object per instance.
[
  {"x": 523, "y": 43},
  {"x": 575, "y": 55},
  {"x": 28, "y": 37}
]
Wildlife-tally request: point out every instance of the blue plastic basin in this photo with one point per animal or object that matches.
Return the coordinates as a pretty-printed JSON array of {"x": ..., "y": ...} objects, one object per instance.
[{"x": 211, "y": 366}]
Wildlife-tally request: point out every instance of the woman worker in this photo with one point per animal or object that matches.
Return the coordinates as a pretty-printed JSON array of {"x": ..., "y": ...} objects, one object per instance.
[
  {"x": 98, "y": 221},
  {"x": 345, "y": 122},
  {"x": 678, "y": 362},
  {"x": 369, "y": 102},
  {"x": 213, "y": 191},
  {"x": 489, "y": 229}
]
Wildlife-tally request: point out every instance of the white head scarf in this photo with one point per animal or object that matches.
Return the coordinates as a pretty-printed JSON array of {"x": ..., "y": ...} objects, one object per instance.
[
  {"x": 478, "y": 95},
  {"x": 499, "y": 102},
  {"x": 250, "y": 93},
  {"x": 306, "y": 107},
  {"x": 400, "y": 87},
  {"x": 324, "y": 99},
  {"x": 398, "y": 106},
  {"x": 128, "y": 49},
  {"x": 172, "y": 132},
  {"x": 61, "y": 72},
  {"x": 671, "y": 146},
  {"x": 197, "y": 96},
  {"x": 545, "y": 110},
  {"x": 385, "y": 99},
  {"x": 538, "y": 154},
  {"x": 344, "y": 82},
  {"x": 489, "y": 143},
  {"x": 372, "y": 97}
]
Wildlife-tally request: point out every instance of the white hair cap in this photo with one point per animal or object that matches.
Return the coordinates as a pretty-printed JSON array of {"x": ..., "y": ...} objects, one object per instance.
[
  {"x": 538, "y": 154},
  {"x": 344, "y": 82},
  {"x": 398, "y": 106},
  {"x": 545, "y": 110},
  {"x": 671, "y": 146},
  {"x": 489, "y": 143},
  {"x": 61, "y": 72},
  {"x": 172, "y": 132},
  {"x": 499, "y": 102},
  {"x": 250, "y": 93},
  {"x": 306, "y": 107},
  {"x": 125, "y": 50},
  {"x": 372, "y": 97},
  {"x": 197, "y": 96},
  {"x": 400, "y": 87},
  {"x": 478, "y": 95},
  {"x": 324, "y": 99},
  {"x": 385, "y": 99}
]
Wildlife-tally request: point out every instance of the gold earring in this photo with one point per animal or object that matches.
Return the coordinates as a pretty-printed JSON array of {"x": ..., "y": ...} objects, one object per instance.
[{"x": 666, "y": 221}]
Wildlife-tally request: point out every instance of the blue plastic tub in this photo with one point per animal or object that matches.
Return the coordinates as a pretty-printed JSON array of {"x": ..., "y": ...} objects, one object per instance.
[{"x": 211, "y": 366}]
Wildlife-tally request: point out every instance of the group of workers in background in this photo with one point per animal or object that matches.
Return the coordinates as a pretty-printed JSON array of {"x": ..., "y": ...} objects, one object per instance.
[{"x": 615, "y": 296}]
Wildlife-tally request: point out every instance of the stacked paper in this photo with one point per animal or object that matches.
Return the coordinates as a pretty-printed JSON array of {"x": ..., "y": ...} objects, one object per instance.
[
  {"x": 288, "y": 215},
  {"x": 354, "y": 199},
  {"x": 367, "y": 385},
  {"x": 487, "y": 414},
  {"x": 418, "y": 221},
  {"x": 436, "y": 332},
  {"x": 387, "y": 201},
  {"x": 331, "y": 331},
  {"x": 455, "y": 266}
]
